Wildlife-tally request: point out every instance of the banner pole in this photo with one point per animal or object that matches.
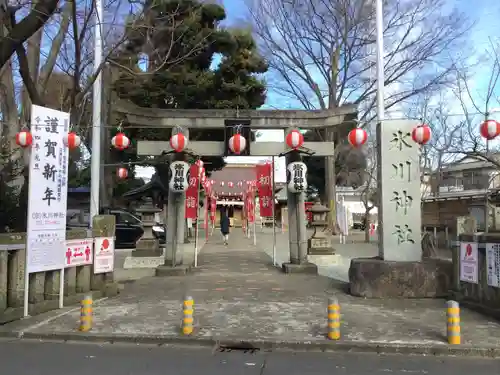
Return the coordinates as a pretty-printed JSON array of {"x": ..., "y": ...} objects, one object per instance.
[
  {"x": 274, "y": 212},
  {"x": 197, "y": 222}
]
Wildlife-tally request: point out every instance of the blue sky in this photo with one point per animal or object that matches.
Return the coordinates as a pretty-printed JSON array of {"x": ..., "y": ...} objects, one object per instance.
[{"x": 484, "y": 12}]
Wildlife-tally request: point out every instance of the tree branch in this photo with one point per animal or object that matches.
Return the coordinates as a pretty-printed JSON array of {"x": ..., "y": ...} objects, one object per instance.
[{"x": 28, "y": 26}]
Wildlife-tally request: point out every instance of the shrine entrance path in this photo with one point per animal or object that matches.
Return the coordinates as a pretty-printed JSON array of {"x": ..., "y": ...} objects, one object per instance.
[{"x": 238, "y": 294}]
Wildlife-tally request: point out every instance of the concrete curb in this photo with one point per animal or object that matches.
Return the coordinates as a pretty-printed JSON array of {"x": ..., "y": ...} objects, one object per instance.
[{"x": 267, "y": 344}]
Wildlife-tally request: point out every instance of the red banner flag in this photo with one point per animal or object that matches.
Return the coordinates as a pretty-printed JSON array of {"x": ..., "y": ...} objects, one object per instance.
[
  {"x": 264, "y": 184},
  {"x": 192, "y": 193},
  {"x": 250, "y": 206}
]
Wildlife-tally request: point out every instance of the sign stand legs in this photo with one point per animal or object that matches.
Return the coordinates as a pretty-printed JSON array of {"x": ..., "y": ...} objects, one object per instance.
[
  {"x": 61, "y": 288},
  {"x": 26, "y": 288}
]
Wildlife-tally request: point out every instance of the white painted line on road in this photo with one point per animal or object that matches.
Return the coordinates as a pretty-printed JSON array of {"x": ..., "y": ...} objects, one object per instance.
[{"x": 52, "y": 318}]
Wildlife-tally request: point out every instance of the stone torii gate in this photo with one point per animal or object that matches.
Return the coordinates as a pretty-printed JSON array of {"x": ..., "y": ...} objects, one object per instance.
[{"x": 342, "y": 119}]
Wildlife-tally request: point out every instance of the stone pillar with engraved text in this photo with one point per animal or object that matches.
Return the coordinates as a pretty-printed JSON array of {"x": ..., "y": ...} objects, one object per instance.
[{"x": 399, "y": 189}]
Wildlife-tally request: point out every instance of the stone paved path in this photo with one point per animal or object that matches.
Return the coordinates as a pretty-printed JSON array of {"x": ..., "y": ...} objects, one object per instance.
[{"x": 239, "y": 294}]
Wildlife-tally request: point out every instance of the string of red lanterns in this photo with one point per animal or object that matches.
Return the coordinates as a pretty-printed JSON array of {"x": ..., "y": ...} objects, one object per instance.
[{"x": 421, "y": 134}]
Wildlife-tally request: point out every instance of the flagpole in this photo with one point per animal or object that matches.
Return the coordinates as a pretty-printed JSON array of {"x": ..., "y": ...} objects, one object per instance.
[
  {"x": 95, "y": 158},
  {"x": 379, "y": 19},
  {"x": 274, "y": 213}
]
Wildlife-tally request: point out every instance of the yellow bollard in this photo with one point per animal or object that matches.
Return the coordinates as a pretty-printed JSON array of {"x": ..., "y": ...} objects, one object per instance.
[
  {"x": 333, "y": 319},
  {"x": 86, "y": 314},
  {"x": 187, "y": 318},
  {"x": 453, "y": 322}
]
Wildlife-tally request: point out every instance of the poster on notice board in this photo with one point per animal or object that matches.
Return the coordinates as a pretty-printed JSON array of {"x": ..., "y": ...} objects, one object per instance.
[{"x": 469, "y": 262}]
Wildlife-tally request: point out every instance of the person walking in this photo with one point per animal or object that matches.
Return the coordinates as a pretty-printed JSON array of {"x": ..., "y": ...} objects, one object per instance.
[{"x": 224, "y": 226}]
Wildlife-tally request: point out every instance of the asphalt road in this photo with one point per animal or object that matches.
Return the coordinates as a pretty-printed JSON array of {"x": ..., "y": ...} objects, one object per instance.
[{"x": 48, "y": 358}]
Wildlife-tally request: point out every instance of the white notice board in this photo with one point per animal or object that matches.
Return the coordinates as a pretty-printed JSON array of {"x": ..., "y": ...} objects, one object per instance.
[
  {"x": 469, "y": 262},
  {"x": 493, "y": 264}
]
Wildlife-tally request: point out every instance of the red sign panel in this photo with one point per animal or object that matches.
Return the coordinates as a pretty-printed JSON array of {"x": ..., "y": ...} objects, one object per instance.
[
  {"x": 265, "y": 186},
  {"x": 250, "y": 206},
  {"x": 192, "y": 193}
]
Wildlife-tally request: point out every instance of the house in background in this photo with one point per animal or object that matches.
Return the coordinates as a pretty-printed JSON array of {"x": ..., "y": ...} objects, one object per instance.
[
  {"x": 353, "y": 201},
  {"x": 466, "y": 187}
]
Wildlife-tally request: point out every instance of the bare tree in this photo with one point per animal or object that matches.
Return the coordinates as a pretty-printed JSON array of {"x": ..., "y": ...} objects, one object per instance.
[
  {"x": 478, "y": 106},
  {"x": 322, "y": 53},
  {"x": 67, "y": 37}
]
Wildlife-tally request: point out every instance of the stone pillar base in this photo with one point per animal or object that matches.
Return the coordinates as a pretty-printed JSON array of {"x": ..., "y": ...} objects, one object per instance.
[
  {"x": 163, "y": 270},
  {"x": 320, "y": 245},
  {"x": 377, "y": 278},
  {"x": 307, "y": 268},
  {"x": 147, "y": 247}
]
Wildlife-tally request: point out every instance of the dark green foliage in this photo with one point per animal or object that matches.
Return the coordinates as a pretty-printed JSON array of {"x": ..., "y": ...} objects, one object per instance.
[
  {"x": 12, "y": 216},
  {"x": 181, "y": 74}
]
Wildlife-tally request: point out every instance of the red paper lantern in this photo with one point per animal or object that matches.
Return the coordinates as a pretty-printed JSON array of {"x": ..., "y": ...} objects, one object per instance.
[
  {"x": 357, "y": 137},
  {"x": 178, "y": 142},
  {"x": 294, "y": 139},
  {"x": 240, "y": 183},
  {"x": 230, "y": 184},
  {"x": 72, "y": 140},
  {"x": 421, "y": 134},
  {"x": 237, "y": 143},
  {"x": 212, "y": 182},
  {"x": 490, "y": 129},
  {"x": 120, "y": 141},
  {"x": 122, "y": 173},
  {"x": 24, "y": 138}
]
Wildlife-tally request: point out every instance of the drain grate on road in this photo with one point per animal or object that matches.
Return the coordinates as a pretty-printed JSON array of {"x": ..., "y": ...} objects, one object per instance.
[{"x": 242, "y": 348}]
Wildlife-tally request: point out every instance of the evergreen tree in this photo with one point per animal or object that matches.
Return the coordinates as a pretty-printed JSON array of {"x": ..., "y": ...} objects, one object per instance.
[{"x": 182, "y": 40}]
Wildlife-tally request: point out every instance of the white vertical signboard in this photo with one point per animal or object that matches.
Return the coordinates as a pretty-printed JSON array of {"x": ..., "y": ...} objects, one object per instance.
[
  {"x": 469, "y": 262},
  {"x": 47, "y": 200},
  {"x": 48, "y": 190},
  {"x": 104, "y": 254},
  {"x": 493, "y": 264}
]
